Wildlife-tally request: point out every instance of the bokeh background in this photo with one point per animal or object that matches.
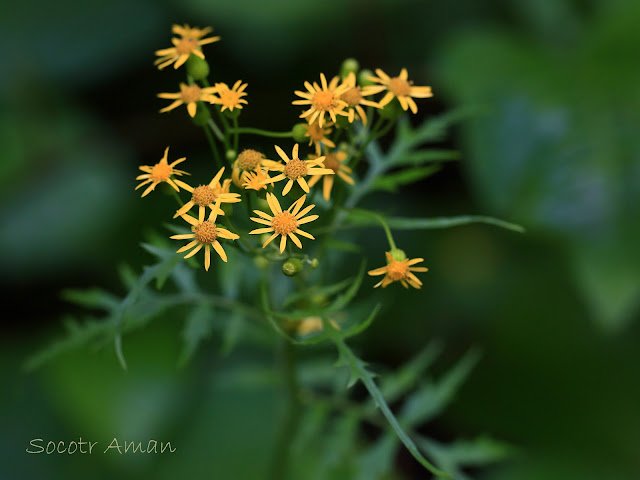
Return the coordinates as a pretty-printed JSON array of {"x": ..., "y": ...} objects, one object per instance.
[{"x": 554, "y": 147}]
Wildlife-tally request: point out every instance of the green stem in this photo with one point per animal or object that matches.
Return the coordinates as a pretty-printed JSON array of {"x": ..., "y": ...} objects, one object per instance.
[
  {"x": 235, "y": 134},
  {"x": 258, "y": 131},
  {"x": 212, "y": 144},
  {"x": 293, "y": 412},
  {"x": 215, "y": 129},
  {"x": 372, "y": 135},
  {"x": 381, "y": 219}
]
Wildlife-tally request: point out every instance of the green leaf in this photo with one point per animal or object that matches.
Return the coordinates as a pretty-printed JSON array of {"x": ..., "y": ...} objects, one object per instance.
[
  {"x": 426, "y": 156},
  {"x": 393, "y": 181},
  {"x": 432, "y": 398},
  {"x": 198, "y": 326},
  {"x": 232, "y": 332},
  {"x": 377, "y": 460},
  {"x": 327, "y": 290},
  {"x": 362, "y": 326},
  {"x": 91, "y": 298},
  {"x": 162, "y": 273}
]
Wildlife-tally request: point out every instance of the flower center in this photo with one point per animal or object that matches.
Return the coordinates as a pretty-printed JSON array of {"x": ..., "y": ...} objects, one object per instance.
[
  {"x": 186, "y": 45},
  {"x": 323, "y": 100},
  {"x": 295, "y": 168},
  {"x": 284, "y": 223},
  {"x": 249, "y": 160},
  {"x": 203, "y": 195},
  {"x": 399, "y": 87},
  {"x": 206, "y": 232},
  {"x": 397, "y": 270},
  {"x": 161, "y": 172},
  {"x": 331, "y": 161},
  {"x": 229, "y": 98},
  {"x": 190, "y": 93},
  {"x": 315, "y": 132},
  {"x": 352, "y": 96}
]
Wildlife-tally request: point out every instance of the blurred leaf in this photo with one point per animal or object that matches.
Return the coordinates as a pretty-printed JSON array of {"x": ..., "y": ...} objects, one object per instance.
[
  {"x": 91, "y": 298},
  {"x": 232, "y": 332},
  {"x": 198, "y": 327},
  {"x": 432, "y": 398},
  {"x": 377, "y": 460},
  {"x": 391, "y": 182},
  {"x": 427, "y": 156}
]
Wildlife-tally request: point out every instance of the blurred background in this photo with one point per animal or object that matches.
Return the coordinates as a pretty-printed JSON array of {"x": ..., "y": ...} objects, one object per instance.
[{"x": 554, "y": 147}]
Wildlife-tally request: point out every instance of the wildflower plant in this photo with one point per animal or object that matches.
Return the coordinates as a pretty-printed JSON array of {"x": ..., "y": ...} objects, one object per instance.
[{"x": 275, "y": 222}]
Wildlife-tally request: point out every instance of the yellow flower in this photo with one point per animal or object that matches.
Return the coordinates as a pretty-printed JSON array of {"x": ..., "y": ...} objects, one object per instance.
[
  {"x": 399, "y": 271},
  {"x": 333, "y": 161},
  {"x": 161, "y": 172},
  {"x": 248, "y": 161},
  {"x": 322, "y": 100},
  {"x": 285, "y": 222},
  {"x": 211, "y": 195},
  {"x": 318, "y": 135},
  {"x": 230, "y": 98},
  {"x": 189, "y": 95},
  {"x": 256, "y": 180},
  {"x": 400, "y": 88},
  {"x": 205, "y": 233},
  {"x": 187, "y": 32},
  {"x": 183, "y": 47},
  {"x": 295, "y": 169},
  {"x": 354, "y": 98}
]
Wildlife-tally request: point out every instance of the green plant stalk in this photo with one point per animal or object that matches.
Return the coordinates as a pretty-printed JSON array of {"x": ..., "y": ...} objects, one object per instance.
[
  {"x": 264, "y": 133},
  {"x": 212, "y": 144},
  {"x": 235, "y": 134}
]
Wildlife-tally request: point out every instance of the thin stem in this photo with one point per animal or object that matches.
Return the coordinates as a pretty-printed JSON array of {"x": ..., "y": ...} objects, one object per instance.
[
  {"x": 235, "y": 134},
  {"x": 372, "y": 135},
  {"x": 258, "y": 131},
  {"x": 215, "y": 129},
  {"x": 381, "y": 219},
  {"x": 293, "y": 411},
  {"x": 212, "y": 144}
]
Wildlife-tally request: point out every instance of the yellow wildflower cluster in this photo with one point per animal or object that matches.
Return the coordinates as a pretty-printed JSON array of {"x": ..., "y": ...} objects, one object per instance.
[{"x": 331, "y": 107}]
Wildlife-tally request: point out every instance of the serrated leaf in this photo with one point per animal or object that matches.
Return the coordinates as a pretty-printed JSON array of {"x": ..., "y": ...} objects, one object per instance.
[
  {"x": 377, "y": 460},
  {"x": 91, "y": 298},
  {"x": 433, "y": 397},
  {"x": 362, "y": 326},
  {"x": 162, "y": 273},
  {"x": 327, "y": 290},
  {"x": 198, "y": 326},
  {"x": 392, "y": 181}
]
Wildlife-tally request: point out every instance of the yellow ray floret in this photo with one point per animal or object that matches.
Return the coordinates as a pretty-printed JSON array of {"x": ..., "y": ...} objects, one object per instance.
[
  {"x": 189, "y": 95},
  {"x": 183, "y": 47},
  {"x": 322, "y": 100},
  {"x": 318, "y": 135},
  {"x": 400, "y": 88},
  {"x": 211, "y": 195},
  {"x": 333, "y": 161},
  {"x": 354, "y": 98},
  {"x": 295, "y": 169},
  {"x": 230, "y": 98},
  {"x": 256, "y": 180},
  {"x": 161, "y": 172},
  {"x": 285, "y": 223},
  {"x": 399, "y": 271},
  {"x": 205, "y": 233}
]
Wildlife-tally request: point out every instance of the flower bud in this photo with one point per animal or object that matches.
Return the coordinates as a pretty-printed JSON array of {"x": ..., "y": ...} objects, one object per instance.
[
  {"x": 314, "y": 262},
  {"x": 348, "y": 66},
  {"x": 231, "y": 155},
  {"x": 197, "y": 67},
  {"x": 299, "y": 131},
  {"x": 363, "y": 78},
  {"x": 398, "y": 255},
  {"x": 202, "y": 115},
  {"x": 292, "y": 267},
  {"x": 260, "y": 262}
]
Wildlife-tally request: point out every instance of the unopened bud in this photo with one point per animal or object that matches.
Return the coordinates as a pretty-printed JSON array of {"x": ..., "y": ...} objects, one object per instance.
[
  {"x": 299, "y": 131},
  {"x": 292, "y": 267},
  {"x": 398, "y": 255},
  {"x": 350, "y": 65},
  {"x": 197, "y": 67}
]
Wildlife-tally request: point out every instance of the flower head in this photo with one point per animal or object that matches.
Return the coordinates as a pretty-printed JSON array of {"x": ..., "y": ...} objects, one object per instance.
[
  {"x": 321, "y": 100},
  {"x": 398, "y": 87},
  {"x": 161, "y": 172},
  {"x": 248, "y": 161},
  {"x": 318, "y": 135},
  {"x": 190, "y": 42},
  {"x": 189, "y": 95},
  {"x": 333, "y": 161},
  {"x": 295, "y": 169},
  {"x": 354, "y": 98},
  {"x": 205, "y": 233},
  {"x": 285, "y": 223},
  {"x": 211, "y": 195},
  {"x": 309, "y": 325},
  {"x": 230, "y": 98},
  {"x": 256, "y": 180},
  {"x": 399, "y": 269}
]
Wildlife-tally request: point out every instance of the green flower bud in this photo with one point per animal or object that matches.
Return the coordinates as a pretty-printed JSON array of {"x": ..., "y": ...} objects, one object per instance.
[
  {"x": 197, "y": 67},
  {"x": 202, "y": 115},
  {"x": 231, "y": 155},
  {"x": 398, "y": 255},
  {"x": 235, "y": 113},
  {"x": 314, "y": 262},
  {"x": 363, "y": 78},
  {"x": 292, "y": 267},
  {"x": 299, "y": 131},
  {"x": 348, "y": 66}
]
